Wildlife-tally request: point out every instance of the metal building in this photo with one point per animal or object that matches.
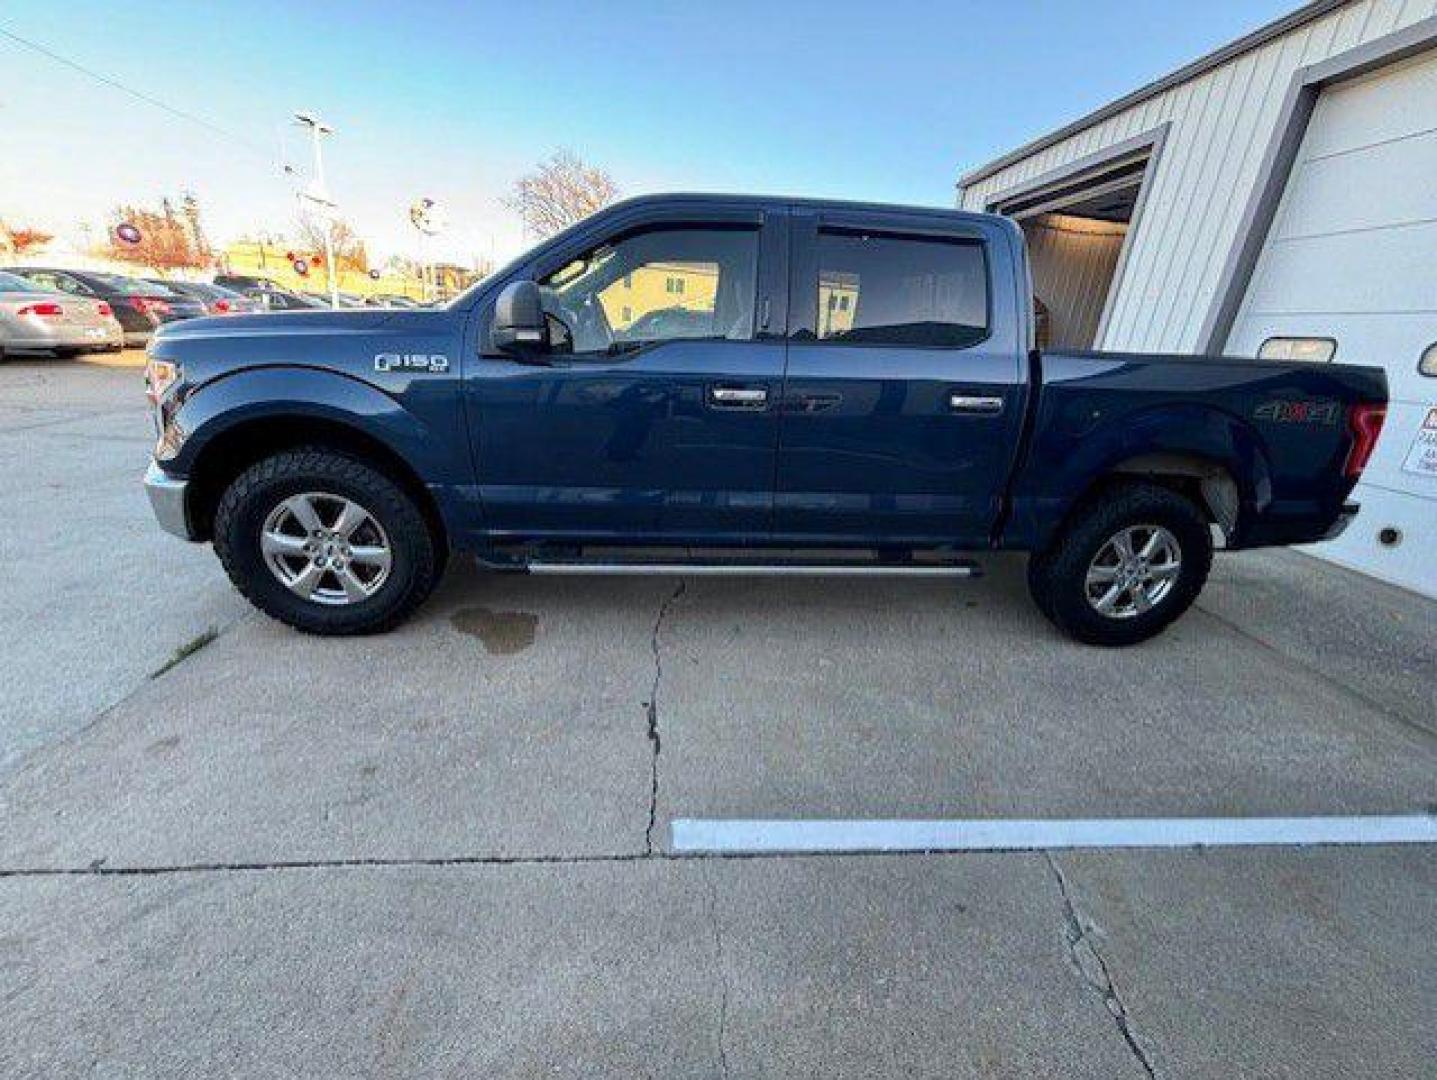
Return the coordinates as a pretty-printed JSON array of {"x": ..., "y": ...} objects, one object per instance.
[{"x": 1275, "y": 198}]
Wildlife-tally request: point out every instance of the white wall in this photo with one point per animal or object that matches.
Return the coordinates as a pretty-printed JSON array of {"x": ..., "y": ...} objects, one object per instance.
[{"x": 1221, "y": 122}]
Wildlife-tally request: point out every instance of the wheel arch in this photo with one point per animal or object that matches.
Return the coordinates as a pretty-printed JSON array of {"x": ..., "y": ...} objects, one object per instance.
[
  {"x": 229, "y": 452},
  {"x": 1201, "y": 451}
]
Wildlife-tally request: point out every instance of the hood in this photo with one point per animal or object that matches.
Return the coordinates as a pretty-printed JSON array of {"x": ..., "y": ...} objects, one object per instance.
[
  {"x": 345, "y": 340},
  {"x": 277, "y": 323}
]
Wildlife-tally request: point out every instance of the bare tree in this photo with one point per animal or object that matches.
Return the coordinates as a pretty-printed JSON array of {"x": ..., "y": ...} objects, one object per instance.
[
  {"x": 349, "y": 250},
  {"x": 560, "y": 192}
]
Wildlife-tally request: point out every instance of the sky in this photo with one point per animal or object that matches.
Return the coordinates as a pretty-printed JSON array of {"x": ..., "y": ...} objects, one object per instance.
[{"x": 887, "y": 101}]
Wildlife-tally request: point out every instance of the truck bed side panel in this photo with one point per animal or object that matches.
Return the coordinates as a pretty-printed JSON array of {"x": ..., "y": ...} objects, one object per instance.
[{"x": 1278, "y": 429}]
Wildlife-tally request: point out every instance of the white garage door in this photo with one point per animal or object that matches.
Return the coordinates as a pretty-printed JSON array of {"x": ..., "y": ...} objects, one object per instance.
[{"x": 1352, "y": 256}]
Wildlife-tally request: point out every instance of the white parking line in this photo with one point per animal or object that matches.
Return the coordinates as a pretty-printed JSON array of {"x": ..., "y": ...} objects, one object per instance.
[{"x": 692, "y": 835}]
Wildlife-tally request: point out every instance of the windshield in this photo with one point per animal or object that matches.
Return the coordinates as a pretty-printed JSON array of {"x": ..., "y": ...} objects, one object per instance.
[
  {"x": 15, "y": 283},
  {"x": 134, "y": 286}
]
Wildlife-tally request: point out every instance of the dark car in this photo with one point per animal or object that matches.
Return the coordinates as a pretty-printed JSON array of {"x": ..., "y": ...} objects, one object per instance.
[
  {"x": 216, "y": 299},
  {"x": 140, "y": 306},
  {"x": 266, "y": 293},
  {"x": 791, "y": 376}
]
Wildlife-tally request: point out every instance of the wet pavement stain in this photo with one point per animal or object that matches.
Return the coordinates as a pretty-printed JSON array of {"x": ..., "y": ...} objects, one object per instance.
[{"x": 502, "y": 633}]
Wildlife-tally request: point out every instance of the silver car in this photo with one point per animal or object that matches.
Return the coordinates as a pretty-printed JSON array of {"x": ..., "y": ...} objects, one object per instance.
[{"x": 35, "y": 318}]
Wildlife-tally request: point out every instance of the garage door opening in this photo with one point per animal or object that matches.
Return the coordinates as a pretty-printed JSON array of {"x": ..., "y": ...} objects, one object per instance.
[{"x": 1077, "y": 228}]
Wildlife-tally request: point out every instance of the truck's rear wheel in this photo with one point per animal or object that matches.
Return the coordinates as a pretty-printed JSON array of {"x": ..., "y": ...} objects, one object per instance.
[
  {"x": 325, "y": 543},
  {"x": 1124, "y": 566}
]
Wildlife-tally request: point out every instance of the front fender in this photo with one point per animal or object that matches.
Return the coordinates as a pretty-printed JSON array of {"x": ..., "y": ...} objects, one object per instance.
[{"x": 296, "y": 392}]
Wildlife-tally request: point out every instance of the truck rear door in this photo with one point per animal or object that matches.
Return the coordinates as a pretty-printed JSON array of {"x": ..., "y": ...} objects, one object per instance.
[{"x": 903, "y": 394}]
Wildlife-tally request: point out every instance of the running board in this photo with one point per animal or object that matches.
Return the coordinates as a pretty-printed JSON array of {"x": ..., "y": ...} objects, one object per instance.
[{"x": 578, "y": 568}]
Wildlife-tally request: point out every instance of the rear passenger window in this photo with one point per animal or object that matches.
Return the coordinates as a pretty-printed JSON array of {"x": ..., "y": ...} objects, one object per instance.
[{"x": 885, "y": 290}]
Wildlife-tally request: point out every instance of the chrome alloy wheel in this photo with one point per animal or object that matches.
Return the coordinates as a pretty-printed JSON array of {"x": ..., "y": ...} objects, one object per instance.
[
  {"x": 326, "y": 548},
  {"x": 1133, "y": 572}
]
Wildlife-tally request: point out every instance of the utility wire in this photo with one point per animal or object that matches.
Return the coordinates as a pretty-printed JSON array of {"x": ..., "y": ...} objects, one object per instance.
[{"x": 140, "y": 95}]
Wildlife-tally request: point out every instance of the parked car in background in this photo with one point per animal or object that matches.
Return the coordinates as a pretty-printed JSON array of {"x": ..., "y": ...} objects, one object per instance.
[
  {"x": 140, "y": 306},
  {"x": 346, "y": 299},
  {"x": 32, "y": 317},
  {"x": 266, "y": 293},
  {"x": 216, "y": 298}
]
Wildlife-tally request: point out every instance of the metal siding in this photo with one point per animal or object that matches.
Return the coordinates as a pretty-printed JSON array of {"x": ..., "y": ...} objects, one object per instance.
[
  {"x": 1071, "y": 271},
  {"x": 1221, "y": 121}
]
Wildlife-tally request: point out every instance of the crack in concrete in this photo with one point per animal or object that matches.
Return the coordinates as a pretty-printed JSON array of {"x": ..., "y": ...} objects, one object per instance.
[
  {"x": 721, "y": 967},
  {"x": 655, "y": 741},
  {"x": 1083, "y": 954},
  {"x": 1352, "y": 693},
  {"x": 185, "y": 651},
  {"x": 114, "y": 706}
]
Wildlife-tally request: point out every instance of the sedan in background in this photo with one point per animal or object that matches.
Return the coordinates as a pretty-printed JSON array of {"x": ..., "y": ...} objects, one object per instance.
[
  {"x": 216, "y": 298},
  {"x": 141, "y": 306},
  {"x": 36, "y": 318},
  {"x": 266, "y": 293}
]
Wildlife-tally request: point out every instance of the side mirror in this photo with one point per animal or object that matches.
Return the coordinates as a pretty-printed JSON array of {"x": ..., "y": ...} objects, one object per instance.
[{"x": 519, "y": 321}]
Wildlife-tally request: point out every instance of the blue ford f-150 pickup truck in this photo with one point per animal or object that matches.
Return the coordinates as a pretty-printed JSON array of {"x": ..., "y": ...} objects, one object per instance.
[{"x": 757, "y": 379}]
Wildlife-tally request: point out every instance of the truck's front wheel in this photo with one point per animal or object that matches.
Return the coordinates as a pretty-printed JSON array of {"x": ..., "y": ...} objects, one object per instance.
[
  {"x": 1124, "y": 566},
  {"x": 326, "y": 543}
]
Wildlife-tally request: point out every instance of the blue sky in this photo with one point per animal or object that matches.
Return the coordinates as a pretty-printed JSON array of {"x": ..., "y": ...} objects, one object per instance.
[{"x": 888, "y": 100}]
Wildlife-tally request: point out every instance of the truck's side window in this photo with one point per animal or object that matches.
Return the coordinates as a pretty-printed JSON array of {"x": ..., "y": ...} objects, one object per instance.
[
  {"x": 659, "y": 285},
  {"x": 889, "y": 290}
]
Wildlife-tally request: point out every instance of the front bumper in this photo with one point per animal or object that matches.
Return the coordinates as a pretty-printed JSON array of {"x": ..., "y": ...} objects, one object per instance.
[
  {"x": 68, "y": 336},
  {"x": 167, "y": 499}
]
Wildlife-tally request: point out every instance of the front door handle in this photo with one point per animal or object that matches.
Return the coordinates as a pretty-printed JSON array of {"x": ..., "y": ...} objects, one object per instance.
[
  {"x": 738, "y": 397},
  {"x": 975, "y": 404}
]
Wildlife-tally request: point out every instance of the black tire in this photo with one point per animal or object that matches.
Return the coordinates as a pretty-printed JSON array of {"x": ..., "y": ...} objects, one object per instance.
[
  {"x": 260, "y": 489},
  {"x": 1057, "y": 577}
]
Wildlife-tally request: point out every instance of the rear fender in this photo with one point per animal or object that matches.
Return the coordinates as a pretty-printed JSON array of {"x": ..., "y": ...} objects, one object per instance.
[{"x": 1074, "y": 455}]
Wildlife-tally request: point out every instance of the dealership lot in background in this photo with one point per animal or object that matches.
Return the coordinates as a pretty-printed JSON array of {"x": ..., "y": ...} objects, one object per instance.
[{"x": 447, "y": 849}]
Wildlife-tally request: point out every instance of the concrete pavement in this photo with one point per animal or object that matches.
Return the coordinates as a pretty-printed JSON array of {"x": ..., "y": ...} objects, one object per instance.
[{"x": 445, "y": 851}]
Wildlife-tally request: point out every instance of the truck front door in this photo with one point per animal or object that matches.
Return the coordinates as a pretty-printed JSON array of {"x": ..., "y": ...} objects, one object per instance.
[
  {"x": 654, "y": 415},
  {"x": 903, "y": 397}
]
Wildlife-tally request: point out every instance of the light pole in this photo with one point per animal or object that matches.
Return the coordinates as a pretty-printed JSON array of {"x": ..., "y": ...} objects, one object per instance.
[{"x": 318, "y": 194}]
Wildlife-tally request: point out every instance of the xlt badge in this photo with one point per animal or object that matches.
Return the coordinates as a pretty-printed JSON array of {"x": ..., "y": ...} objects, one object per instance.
[{"x": 433, "y": 363}]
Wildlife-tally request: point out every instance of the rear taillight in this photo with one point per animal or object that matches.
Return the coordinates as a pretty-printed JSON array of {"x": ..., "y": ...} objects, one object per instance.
[
  {"x": 222, "y": 307},
  {"x": 145, "y": 306},
  {"x": 1365, "y": 423},
  {"x": 102, "y": 308},
  {"x": 49, "y": 311}
]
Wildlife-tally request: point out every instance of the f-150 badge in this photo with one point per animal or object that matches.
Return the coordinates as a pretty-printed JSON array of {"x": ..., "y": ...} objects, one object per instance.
[{"x": 432, "y": 363}]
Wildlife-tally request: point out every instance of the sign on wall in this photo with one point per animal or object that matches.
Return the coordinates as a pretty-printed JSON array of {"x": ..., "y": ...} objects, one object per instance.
[{"x": 1422, "y": 457}]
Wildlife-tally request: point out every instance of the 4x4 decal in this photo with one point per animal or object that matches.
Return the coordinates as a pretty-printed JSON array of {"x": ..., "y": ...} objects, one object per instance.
[{"x": 1299, "y": 412}]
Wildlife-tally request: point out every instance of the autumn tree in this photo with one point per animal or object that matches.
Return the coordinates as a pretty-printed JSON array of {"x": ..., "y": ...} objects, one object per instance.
[
  {"x": 18, "y": 239},
  {"x": 560, "y": 192},
  {"x": 167, "y": 239}
]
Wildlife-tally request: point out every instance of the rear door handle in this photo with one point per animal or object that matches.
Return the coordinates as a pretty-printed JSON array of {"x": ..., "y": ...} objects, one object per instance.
[
  {"x": 975, "y": 404},
  {"x": 738, "y": 397}
]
